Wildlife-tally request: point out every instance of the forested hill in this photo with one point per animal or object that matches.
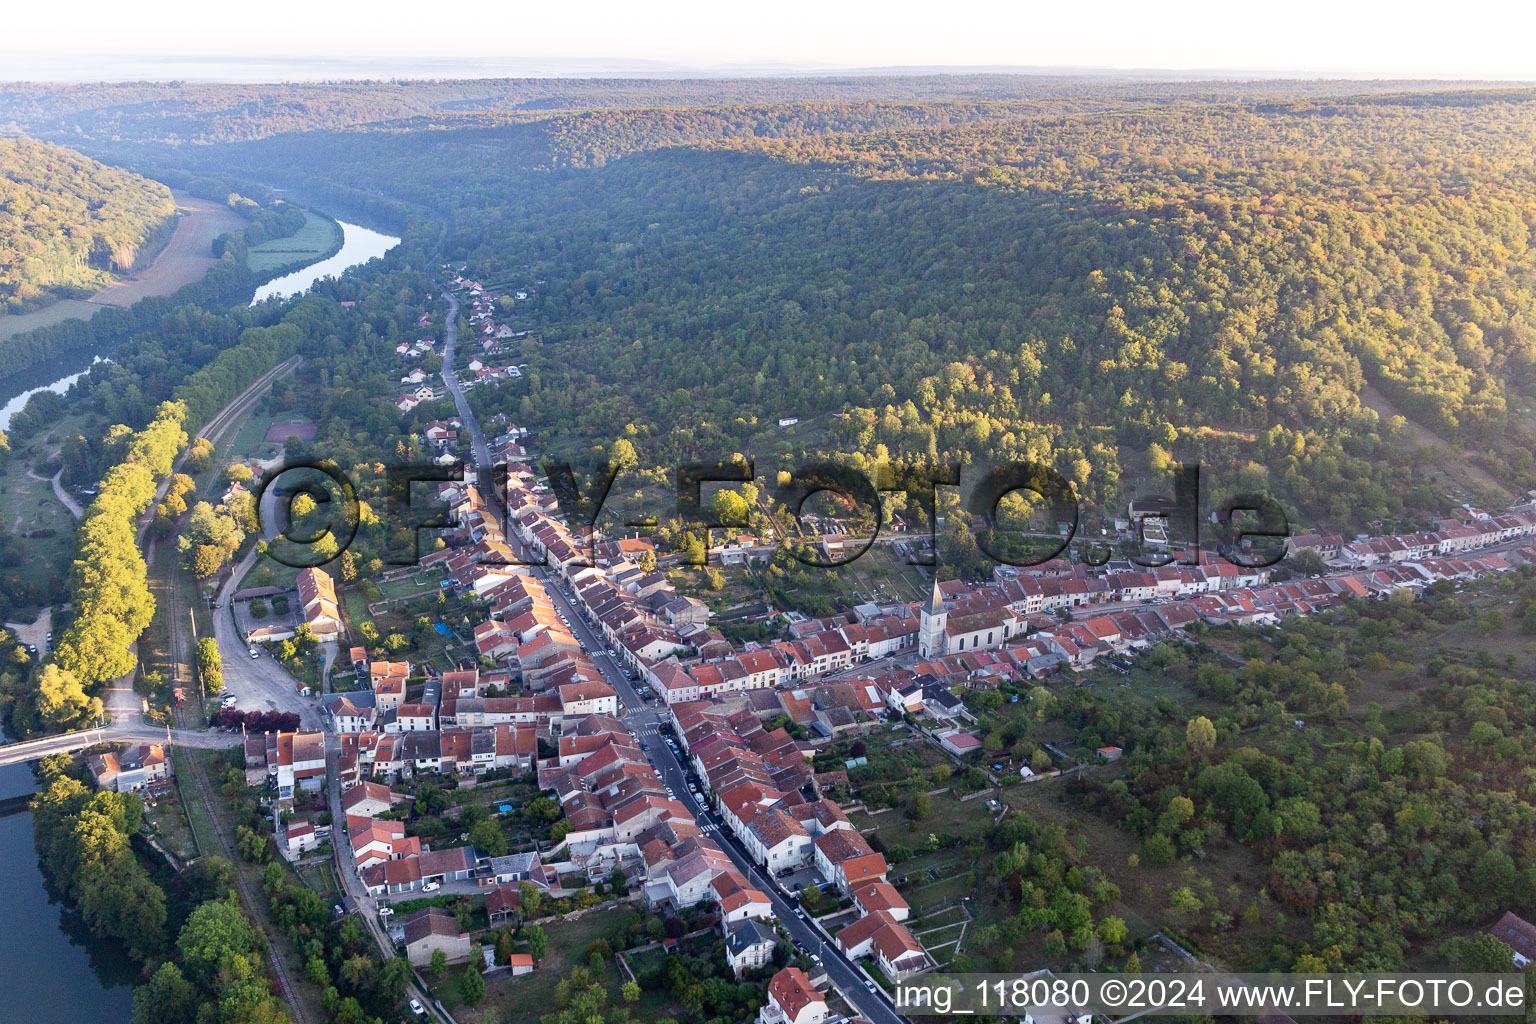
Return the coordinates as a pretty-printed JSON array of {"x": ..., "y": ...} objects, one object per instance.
[
  {"x": 182, "y": 112},
  {"x": 1099, "y": 274},
  {"x": 67, "y": 223}
]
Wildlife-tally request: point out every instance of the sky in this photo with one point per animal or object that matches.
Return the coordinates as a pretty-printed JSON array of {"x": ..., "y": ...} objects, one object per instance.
[{"x": 305, "y": 38}]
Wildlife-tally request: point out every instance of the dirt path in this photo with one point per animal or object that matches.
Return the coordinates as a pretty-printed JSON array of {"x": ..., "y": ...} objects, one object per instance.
[
  {"x": 63, "y": 495},
  {"x": 186, "y": 258},
  {"x": 59, "y": 492},
  {"x": 1461, "y": 470}
]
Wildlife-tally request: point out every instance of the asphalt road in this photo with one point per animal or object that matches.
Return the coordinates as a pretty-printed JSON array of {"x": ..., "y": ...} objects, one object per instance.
[{"x": 478, "y": 444}]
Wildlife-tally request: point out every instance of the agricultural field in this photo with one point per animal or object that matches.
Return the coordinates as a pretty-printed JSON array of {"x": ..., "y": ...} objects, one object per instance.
[{"x": 186, "y": 258}]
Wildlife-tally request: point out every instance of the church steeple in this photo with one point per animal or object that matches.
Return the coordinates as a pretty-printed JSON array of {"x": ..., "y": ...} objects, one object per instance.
[
  {"x": 935, "y": 599},
  {"x": 931, "y": 620}
]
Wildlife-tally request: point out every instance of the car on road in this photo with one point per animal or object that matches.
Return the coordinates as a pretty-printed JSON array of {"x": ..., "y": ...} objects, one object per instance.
[
  {"x": 386, "y": 911},
  {"x": 419, "y": 1010}
]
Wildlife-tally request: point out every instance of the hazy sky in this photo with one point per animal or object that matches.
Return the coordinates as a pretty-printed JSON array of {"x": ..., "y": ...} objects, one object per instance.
[{"x": 1466, "y": 39}]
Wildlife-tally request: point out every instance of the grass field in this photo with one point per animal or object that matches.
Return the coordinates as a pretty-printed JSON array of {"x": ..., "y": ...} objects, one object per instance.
[
  {"x": 317, "y": 239},
  {"x": 191, "y": 801},
  {"x": 320, "y": 877},
  {"x": 525, "y": 999},
  {"x": 64, "y": 309},
  {"x": 169, "y": 819},
  {"x": 31, "y": 507},
  {"x": 187, "y": 257}
]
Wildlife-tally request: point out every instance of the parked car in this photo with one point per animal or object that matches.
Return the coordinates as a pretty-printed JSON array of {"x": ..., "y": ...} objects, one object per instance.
[
  {"x": 431, "y": 887},
  {"x": 255, "y": 652},
  {"x": 418, "y": 1009},
  {"x": 386, "y": 911}
]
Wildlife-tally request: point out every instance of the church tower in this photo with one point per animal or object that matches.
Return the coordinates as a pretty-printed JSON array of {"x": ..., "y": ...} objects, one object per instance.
[{"x": 931, "y": 621}]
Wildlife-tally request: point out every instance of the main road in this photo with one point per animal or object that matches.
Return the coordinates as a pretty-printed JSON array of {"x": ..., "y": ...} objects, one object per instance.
[{"x": 646, "y": 723}]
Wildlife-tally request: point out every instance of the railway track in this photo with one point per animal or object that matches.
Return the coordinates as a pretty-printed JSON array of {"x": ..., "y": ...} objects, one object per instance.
[{"x": 280, "y": 969}]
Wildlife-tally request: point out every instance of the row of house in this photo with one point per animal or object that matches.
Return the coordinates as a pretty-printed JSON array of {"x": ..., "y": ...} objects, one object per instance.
[{"x": 761, "y": 784}]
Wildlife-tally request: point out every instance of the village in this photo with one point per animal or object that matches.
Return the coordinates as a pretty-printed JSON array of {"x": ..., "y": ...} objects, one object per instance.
[{"x": 597, "y": 740}]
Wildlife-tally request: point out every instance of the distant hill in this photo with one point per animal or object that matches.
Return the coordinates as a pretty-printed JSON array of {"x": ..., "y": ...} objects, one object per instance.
[{"x": 68, "y": 224}]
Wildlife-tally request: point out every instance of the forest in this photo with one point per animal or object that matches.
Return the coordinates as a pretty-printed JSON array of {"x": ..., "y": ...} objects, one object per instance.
[
  {"x": 1244, "y": 284},
  {"x": 68, "y": 223},
  {"x": 1292, "y": 285}
]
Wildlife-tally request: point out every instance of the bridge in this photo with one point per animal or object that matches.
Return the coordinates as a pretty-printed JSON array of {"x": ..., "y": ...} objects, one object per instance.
[{"x": 64, "y": 743}]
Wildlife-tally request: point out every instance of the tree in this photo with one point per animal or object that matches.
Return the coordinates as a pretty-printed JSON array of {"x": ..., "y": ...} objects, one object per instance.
[
  {"x": 62, "y": 700},
  {"x": 210, "y": 665},
  {"x": 168, "y": 998},
  {"x": 200, "y": 455},
  {"x": 208, "y": 540},
  {"x": 1200, "y": 735},
  {"x": 622, "y": 456},
  {"x": 630, "y": 992},
  {"x": 488, "y": 837},
  {"x": 1481, "y": 953},
  {"x": 921, "y": 807},
  {"x": 1112, "y": 930},
  {"x": 731, "y": 509},
  {"x": 538, "y": 942},
  {"x": 530, "y": 898},
  {"x": 1157, "y": 851},
  {"x": 216, "y": 941},
  {"x": 439, "y": 963},
  {"x": 472, "y": 988}
]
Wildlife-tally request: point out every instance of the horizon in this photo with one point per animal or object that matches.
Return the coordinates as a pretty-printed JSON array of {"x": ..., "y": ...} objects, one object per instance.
[
  {"x": 1197, "y": 38},
  {"x": 231, "y": 69}
]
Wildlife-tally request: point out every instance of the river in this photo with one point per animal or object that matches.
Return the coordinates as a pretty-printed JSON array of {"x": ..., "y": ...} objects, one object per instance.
[
  {"x": 358, "y": 245},
  {"x": 56, "y": 971},
  {"x": 15, "y": 390}
]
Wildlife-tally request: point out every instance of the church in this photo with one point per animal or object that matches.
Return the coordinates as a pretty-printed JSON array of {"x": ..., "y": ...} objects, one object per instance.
[{"x": 971, "y": 620}]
